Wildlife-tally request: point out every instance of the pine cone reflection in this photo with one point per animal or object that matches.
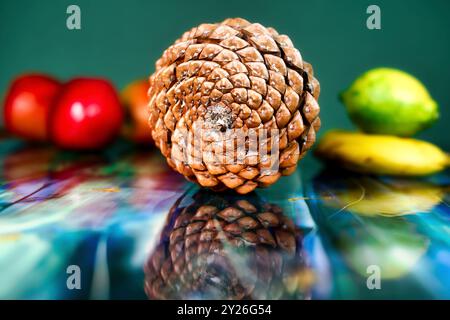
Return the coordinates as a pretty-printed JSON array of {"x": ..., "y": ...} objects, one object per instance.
[{"x": 228, "y": 246}]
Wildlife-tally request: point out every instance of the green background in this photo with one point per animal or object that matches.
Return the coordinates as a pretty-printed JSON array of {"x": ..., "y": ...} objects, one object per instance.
[{"x": 120, "y": 40}]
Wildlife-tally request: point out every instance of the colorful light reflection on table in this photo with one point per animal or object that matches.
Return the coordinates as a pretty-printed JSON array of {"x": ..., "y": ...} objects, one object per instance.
[{"x": 106, "y": 213}]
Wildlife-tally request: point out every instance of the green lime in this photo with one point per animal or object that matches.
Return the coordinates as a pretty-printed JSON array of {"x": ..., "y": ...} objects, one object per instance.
[{"x": 390, "y": 101}]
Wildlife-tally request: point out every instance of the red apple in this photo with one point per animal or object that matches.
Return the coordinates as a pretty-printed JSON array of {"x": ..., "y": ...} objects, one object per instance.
[
  {"x": 135, "y": 100},
  {"x": 27, "y": 105},
  {"x": 86, "y": 115}
]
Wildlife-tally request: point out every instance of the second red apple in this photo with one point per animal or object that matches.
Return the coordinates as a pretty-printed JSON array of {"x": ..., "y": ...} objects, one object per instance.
[{"x": 87, "y": 114}]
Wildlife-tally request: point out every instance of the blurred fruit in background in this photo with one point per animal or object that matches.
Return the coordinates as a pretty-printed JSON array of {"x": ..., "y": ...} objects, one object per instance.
[
  {"x": 390, "y": 101},
  {"x": 86, "y": 115},
  {"x": 381, "y": 154},
  {"x": 27, "y": 105},
  {"x": 135, "y": 101},
  {"x": 386, "y": 103}
]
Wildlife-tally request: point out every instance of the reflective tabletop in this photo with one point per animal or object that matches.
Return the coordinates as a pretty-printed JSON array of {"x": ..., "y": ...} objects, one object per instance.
[{"x": 119, "y": 224}]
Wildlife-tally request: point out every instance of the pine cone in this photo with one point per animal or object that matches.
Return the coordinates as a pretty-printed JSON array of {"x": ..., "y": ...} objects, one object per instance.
[
  {"x": 224, "y": 246},
  {"x": 238, "y": 77}
]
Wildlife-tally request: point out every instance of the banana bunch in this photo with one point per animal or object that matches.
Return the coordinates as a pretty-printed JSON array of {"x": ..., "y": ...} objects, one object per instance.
[{"x": 381, "y": 154}]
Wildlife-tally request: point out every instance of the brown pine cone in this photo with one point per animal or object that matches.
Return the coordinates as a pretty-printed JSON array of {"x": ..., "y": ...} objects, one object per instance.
[
  {"x": 224, "y": 246},
  {"x": 238, "y": 78}
]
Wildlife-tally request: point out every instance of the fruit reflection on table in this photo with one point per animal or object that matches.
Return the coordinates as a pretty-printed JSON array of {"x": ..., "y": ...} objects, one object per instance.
[
  {"x": 395, "y": 224},
  {"x": 64, "y": 182},
  {"x": 372, "y": 196}
]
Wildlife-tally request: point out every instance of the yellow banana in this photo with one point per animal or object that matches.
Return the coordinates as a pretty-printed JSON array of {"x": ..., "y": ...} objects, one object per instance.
[{"x": 381, "y": 154}]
